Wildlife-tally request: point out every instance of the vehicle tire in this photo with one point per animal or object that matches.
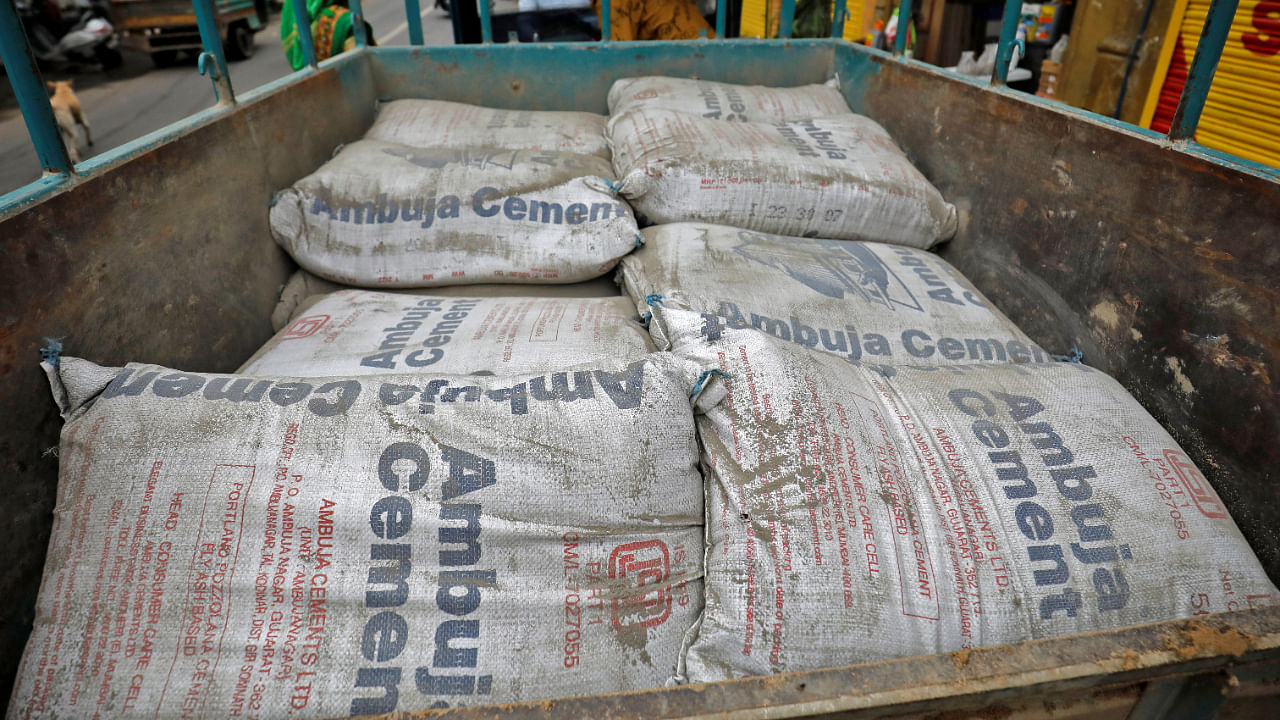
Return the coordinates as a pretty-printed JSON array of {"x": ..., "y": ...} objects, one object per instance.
[
  {"x": 240, "y": 42},
  {"x": 109, "y": 58},
  {"x": 164, "y": 58}
]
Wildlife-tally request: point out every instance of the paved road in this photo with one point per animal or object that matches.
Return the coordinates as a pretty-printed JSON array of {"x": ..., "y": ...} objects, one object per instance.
[{"x": 137, "y": 98}]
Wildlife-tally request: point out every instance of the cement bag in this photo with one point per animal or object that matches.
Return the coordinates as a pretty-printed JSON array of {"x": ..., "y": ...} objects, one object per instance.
[
  {"x": 857, "y": 514},
  {"x": 302, "y": 290},
  {"x": 441, "y": 124},
  {"x": 866, "y": 302},
  {"x": 836, "y": 177},
  {"x": 360, "y": 332},
  {"x": 726, "y": 101},
  {"x": 266, "y": 546},
  {"x": 386, "y": 215}
]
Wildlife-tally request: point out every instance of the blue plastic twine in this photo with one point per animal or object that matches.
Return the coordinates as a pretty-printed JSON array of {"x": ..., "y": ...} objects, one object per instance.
[
  {"x": 51, "y": 352},
  {"x": 652, "y": 300},
  {"x": 639, "y": 240},
  {"x": 1075, "y": 356},
  {"x": 702, "y": 380},
  {"x": 614, "y": 187}
]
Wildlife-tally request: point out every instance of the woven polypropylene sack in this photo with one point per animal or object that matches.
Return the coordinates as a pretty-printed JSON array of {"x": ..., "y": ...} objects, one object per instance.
[
  {"x": 317, "y": 548},
  {"x": 860, "y": 513},
  {"x": 302, "y": 290},
  {"x": 866, "y": 302},
  {"x": 726, "y": 101},
  {"x": 361, "y": 332},
  {"x": 838, "y": 177},
  {"x": 381, "y": 214},
  {"x": 443, "y": 124}
]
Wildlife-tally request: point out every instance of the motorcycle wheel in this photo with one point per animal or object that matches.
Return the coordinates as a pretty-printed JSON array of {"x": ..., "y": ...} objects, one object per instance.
[
  {"x": 164, "y": 58},
  {"x": 240, "y": 42},
  {"x": 109, "y": 58}
]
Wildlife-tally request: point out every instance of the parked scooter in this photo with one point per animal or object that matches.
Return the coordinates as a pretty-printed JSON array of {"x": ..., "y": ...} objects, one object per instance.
[{"x": 80, "y": 32}]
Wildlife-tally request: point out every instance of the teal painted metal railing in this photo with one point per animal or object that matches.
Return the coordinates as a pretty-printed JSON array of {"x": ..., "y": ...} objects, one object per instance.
[
  {"x": 33, "y": 99},
  {"x": 786, "y": 18},
  {"x": 357, "y": 23},
  {"x": 1008, "y": 37},
  {"x": 903, "y": 29},
  {"x": 212, "y": 62},
  {"x": 413, "y": 16},
  {"x": 303, "y": 23},
  {"x": 1200, "y": 75},
  {"x": 43, "y": 129}
]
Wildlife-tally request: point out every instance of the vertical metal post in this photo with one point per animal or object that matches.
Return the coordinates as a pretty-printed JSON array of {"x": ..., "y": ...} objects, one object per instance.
[
  {"x": 212, "y": 61},
  {"x": 606, "y": 18},
  {"x": 837, "y": 20},
  {"x": 722, "y": 14},
  {"x": 303, "y": 21},
  {"x": 787, "y": 18},
  {"x": 357, "y": 24},
  {"x": 904, "y": 27},
  {"x": 1008, "y": 37},
  {"x": 33, "y": 98},
  {"x": 413, "y": 16},
  {"x": 1217, "y": 26},
  {"x": 486, "y": 24}
]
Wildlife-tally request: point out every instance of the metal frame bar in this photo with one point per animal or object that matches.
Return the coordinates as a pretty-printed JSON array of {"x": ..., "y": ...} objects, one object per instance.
[
  {"x": 722, "y": 16},
  {"x": 303, "y": 23},
  {"x": 838, "y": 19},
  {"x": 1217, "y": 26},
  {"x": 33, "y": 97},
  {"x": 413, "y": 16},
  {"x": 786, "y": 18},
  {"x": 212, "y": 41},
  {"x": 1008, "y": 36},
  {"x": 357, "y": 23},
  {"x": 486, "y": 22},
  {"x": 606, "y": 21},
  {"x": 903, "y": 28}
]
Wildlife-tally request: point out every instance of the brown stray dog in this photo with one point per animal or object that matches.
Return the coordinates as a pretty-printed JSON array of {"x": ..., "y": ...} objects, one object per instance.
[{"x": 67, "y": 111}]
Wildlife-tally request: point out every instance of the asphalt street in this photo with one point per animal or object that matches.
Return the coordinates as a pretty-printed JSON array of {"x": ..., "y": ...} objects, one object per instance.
[{"x": 138, "y": 98}]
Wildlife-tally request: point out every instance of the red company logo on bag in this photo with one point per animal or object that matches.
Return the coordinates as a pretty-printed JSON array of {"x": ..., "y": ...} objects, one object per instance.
[
  {"x": 1196, "y": 485},
  {"x": 648, "y": 564},
  {"x": 305, "y": 327},
  {"x": 646, "y": 94}
]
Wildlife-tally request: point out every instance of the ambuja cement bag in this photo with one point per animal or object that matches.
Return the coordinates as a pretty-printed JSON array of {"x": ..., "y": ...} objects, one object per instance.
[
  {"x": 381, "y": 214},
  {"x": 838, "y": 177},
  {"x": 236, "y": 546},
  {"x": 302, "y": 290},
  {"x": 858, "y": 513},
  {"x": 865, "y": 302},
  {"x": 726, "y": 101},
  {"x": 442, "y": 124},
  {"x": 362, "y": 332}
]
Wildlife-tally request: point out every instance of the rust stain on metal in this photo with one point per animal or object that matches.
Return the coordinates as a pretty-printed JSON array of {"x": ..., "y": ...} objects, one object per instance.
[
  {"x": 1206, "y": 253},
  {"x": 1018, "y": 207},
  {"x": 1132, "y": 660},
  {"x": 1200, "y": 640},
  {"x": 960, "y": 658}
]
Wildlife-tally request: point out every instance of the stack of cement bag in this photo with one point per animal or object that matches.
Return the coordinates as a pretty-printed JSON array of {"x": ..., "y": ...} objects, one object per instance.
[
  {"x": 892, "y": 467},
  {"x": 800, "y": 439}
]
